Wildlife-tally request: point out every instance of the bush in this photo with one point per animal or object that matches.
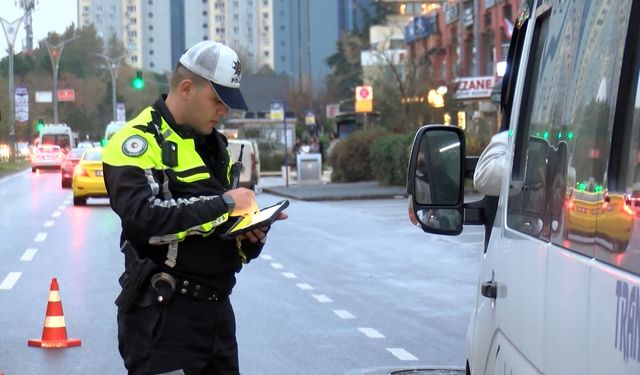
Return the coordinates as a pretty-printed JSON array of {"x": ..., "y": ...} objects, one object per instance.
[
  {"x": 350, "y": 157},
  {"x": 389, "y": 158}
]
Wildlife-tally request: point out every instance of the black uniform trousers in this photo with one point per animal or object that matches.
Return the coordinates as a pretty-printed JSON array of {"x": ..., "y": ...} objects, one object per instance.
[{"x": 197, "y": 337}]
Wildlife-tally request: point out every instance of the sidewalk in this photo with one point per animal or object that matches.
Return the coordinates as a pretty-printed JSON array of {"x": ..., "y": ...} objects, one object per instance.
[{"x": 326, "y": 190}]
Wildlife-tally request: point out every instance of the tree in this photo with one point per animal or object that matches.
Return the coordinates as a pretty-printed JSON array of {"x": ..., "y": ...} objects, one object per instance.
[{"x": 346, "y": 70}]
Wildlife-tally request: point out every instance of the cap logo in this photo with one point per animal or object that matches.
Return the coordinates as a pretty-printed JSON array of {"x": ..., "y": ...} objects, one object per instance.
[{"x": 237, "y": 70}]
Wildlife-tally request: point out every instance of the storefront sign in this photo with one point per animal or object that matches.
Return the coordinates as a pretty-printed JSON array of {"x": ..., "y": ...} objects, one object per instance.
[
  {"x": 421, "y": 27},
  {"x": 450, "y": 13},
  {"x": 474, "y": 87}
]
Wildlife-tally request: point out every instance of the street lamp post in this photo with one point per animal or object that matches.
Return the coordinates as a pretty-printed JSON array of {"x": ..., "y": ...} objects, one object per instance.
[
  {"x": 54, "y": 53},
  {"x": 10, "y": 32},
  {"x": 114, "y": 64}
]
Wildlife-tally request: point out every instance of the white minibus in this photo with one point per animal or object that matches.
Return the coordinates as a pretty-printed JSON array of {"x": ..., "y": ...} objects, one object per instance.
[{"x": 559, "y": 284}]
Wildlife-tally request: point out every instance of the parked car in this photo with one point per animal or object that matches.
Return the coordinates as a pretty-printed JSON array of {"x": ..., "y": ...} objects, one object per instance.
[
  {"x": 250, "y": 175},
  {"x": 47, "y": 157},
  {"x": 87, "y": 177},
  {"x": 69, "y": 164}
]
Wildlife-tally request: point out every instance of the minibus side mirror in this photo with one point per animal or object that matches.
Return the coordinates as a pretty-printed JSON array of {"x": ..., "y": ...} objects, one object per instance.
[{"x": 435, "y": 179}]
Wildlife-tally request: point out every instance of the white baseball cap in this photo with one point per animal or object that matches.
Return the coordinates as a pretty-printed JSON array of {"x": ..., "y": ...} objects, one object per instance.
[{"x": 220, "y": 65}]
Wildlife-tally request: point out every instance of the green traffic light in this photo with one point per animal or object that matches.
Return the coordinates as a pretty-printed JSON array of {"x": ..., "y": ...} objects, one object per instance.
[
  {"x": 103, "y": 142},
  {"x": 138, "y": 82},
  {"x": 545, "y": 135},
  {"x": 39, "y": 125},
  {"x": 570, "y": 135}
]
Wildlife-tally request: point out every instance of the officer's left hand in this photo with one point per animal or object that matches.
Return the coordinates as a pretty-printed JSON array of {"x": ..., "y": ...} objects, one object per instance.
[{"x": 260, "y": 234}]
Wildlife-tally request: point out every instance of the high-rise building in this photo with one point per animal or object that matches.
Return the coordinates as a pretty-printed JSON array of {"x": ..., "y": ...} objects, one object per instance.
[
  {"x": 305, "y": 34},
  {"x": 292, "y": 37}
]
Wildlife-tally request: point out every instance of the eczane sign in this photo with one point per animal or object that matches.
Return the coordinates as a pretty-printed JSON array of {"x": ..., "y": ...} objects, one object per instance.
[{"x": 474, "y": 87}]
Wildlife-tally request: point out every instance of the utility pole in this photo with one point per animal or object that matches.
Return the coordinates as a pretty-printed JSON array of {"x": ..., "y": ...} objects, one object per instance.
[
  {"x": 114, "y": 65},
  {"x": 310, "y": 75},
  {"x": 55, "y": 51},
  {"x": 10, "y": 32},
  {"x": 28, "y": 6},
  {"x": 299, "y": 49}
]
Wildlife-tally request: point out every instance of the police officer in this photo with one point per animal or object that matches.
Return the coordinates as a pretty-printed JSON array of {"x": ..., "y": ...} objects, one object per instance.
[{"x": 167, "y": 173}]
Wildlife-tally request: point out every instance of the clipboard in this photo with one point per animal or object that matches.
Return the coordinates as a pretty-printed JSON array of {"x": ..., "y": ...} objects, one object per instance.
[{"x": 264, "y": 218}]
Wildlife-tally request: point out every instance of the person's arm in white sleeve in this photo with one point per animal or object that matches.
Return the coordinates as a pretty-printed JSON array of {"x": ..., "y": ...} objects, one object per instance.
[{"x": 492, "y": 165}]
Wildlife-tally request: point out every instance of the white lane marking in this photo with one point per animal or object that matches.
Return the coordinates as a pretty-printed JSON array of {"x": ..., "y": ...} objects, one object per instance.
[
  {"x": 62, "y": 208},
  {"x": 40, "y": 237},
  {"x": 56, "y": 214},
  {"x": 322, "y": 298},
  {"x": 402, "y": 354},
  {"x": 277, "y": 266},
  {"x": 49, "y": 223},
  {"x": 304, "y": 286},
  {"x": 28, "y": 255},
  {"x": 10, "y": 280},
  {"x": 266, "y": 257},
  {"x": 371, "y": 333},
  {"x": 344, "y": 314},
  {"x": 289, "y": 275}
]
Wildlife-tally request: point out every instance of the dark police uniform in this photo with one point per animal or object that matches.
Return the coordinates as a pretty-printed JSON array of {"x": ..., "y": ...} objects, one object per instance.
[{"x": 174, "y": 214}]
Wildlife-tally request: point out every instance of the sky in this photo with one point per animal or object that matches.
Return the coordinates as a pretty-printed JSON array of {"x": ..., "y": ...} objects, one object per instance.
[{"x": 48, "y": 15}]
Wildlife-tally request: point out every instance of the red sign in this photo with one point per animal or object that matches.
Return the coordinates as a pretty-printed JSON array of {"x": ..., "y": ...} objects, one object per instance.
[
  {"x": 364, "y": 93},
  {"x": 66, "y": 95}
]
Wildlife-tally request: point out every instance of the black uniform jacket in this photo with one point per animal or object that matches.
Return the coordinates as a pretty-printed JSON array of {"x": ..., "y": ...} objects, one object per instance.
[{"x": 163, "y": 206}]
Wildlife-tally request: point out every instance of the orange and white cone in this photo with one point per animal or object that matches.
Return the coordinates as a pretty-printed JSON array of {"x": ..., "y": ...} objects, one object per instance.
[{"x": 54, "y": 334}]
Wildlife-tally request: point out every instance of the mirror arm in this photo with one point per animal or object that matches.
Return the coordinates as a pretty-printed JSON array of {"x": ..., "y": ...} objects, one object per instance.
[
  {"x": 474, "y": 212},
  {"x": 470, "y": 166}
]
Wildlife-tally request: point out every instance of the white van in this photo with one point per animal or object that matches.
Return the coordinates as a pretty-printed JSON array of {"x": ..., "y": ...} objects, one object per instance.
[
  {"x": 250, "y": 174},
  {"x": 59, "y": 135},
  {"x": 559, "y": 284}
]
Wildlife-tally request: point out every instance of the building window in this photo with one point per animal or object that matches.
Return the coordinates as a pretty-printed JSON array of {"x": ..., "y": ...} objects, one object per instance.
[
  {"x": 205, "y": 25},
  {"x": 150, "y": 14},
  {"x": 204, "y": 13},
  {"x": 151, "y": 40},
  {"x": 151, "y": 27},
  {"x": 151, "y": 65},
  {"x": 134, "y": 58},
  {"x": 236, "y": 17},
  {"x": 266, "y": 53},
  {"x": 206, "y": 37},
  {"x": 151, "y": 52}
]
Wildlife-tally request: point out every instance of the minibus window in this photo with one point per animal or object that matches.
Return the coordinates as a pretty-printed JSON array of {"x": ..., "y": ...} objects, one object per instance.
[{"x": 568, "y": 102}]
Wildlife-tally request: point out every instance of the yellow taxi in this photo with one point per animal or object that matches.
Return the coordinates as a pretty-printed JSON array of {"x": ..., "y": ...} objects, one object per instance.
[
  {"x": 87, "y": 179},
  {"x": 615, "y": 222},
  {"x": 581, "y": 211}
]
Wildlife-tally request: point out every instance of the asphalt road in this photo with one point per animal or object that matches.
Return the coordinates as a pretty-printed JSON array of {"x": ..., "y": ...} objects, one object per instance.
[{"x": 342, "y": 287}]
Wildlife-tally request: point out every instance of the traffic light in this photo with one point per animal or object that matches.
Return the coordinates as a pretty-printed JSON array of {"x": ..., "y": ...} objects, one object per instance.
[
  {"x": 138, "y": 82},
  {"x": 39, "y": 125}
]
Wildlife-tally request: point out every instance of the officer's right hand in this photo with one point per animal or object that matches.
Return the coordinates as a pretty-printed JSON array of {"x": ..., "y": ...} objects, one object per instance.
[{"x": 245, "y": 202}]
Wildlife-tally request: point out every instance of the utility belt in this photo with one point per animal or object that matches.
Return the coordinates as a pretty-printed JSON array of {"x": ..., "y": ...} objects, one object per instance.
[{"x": 143, "y": 285}]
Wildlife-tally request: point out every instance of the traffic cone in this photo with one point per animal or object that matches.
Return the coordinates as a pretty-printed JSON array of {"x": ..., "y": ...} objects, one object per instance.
[{"x": 54, "y": 334}]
